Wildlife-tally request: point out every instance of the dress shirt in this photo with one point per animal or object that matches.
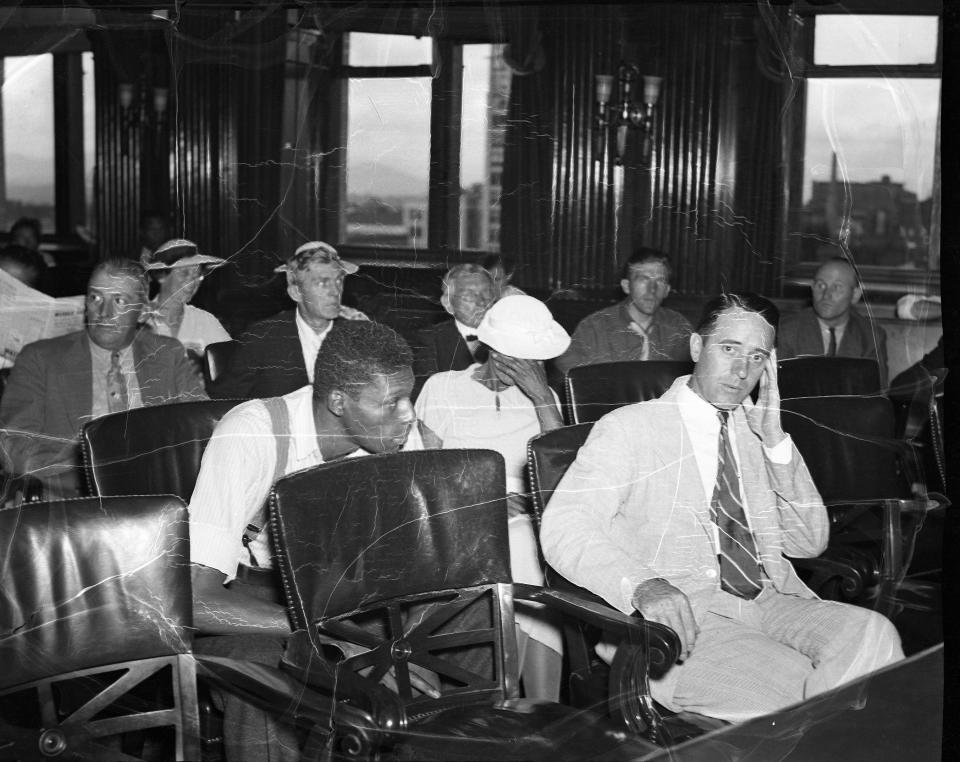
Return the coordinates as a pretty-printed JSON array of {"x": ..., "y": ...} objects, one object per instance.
[
  {"x": 236, "y": 474},
  {"x": 310, "y": 342},
  {"x": 465, "y": 331},
  {"x": 825, "y": 333},
  {"x": 100, "y": 364}
]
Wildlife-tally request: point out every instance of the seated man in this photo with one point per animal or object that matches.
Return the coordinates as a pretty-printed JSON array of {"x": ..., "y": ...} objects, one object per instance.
[
  {"x": 831, "y": 327},
  {"x": 276, "y": 355},
  {"x": 639, "y": 327},
  {"x": 468, "y": 291},
  {"x": 685, "y": 507},
  {"x": 114, "y": 364},
  {"x": 359, "y": 403}
]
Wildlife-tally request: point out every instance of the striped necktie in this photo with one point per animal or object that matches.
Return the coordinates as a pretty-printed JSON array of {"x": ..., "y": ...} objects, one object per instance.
[
  {"x": 739, "y": 563},
  {"x": 116, "y": 386}
]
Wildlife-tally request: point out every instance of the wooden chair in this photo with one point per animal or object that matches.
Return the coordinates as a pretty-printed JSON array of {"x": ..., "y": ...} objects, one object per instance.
[
  {"x": 150, "y": 450},
  {"x": 405, "y": 557},
  {"x": 592, "y": 391}
]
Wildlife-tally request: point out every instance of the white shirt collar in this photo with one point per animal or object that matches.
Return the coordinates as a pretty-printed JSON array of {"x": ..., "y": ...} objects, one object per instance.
[
  {"x": 464, "y": 329},
  {"x": 310, "y": 342}
]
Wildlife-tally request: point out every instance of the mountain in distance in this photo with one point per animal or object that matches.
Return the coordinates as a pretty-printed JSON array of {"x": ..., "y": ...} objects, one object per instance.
[{"x": 375, "y": 179}]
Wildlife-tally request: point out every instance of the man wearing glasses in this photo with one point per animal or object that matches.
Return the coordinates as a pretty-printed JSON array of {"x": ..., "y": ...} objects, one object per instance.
[{"x": 638, "y": 328}]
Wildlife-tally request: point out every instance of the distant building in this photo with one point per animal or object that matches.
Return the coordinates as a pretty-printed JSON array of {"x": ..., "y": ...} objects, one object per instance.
[
  {"x": 498, "y": 101},
  {"x": 885, "y": 222}
]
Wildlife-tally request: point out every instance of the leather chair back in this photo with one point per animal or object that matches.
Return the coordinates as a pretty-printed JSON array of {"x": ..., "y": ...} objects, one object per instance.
[
  {"x": 848, "y": 444},
  {"x": 343, "y": 530},
  {"x": 216, "y": 358},
  {"x": 150, "y": 450},
  {"x": 595, "y": 390},
  {"x": 90, "y": 582},
  {"x": 549, "y": 455},
  {"x": 827, "y": 376}
]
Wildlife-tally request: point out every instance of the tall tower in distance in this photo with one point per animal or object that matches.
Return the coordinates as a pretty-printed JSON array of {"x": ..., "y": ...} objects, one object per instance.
[{"x": 498, "y": 100}]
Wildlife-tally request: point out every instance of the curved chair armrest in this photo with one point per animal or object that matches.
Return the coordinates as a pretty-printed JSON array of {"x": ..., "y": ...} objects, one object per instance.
[
  {"x": 845, "y": 565},
  {"x": 661, "y": 643}
]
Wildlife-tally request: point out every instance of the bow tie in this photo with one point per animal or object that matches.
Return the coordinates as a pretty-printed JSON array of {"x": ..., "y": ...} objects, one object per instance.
[{"x": 471, "y": 337}]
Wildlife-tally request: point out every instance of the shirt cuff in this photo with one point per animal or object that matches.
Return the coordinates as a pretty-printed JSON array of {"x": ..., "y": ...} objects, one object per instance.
[{"x": 782, "y": 453}]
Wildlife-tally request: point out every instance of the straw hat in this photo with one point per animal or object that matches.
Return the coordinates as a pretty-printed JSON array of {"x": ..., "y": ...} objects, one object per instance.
[
  {"x": 178, "y": 252},
  {"x": 521, "y": 326},
  {"x": 315, "y": 251}
]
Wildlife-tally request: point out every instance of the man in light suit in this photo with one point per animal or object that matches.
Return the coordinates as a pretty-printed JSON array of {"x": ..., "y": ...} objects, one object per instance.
[
  {"x": 114, "y": 364},
  {"x": 832, "y": 327},
  {"x": 276, "y": 356},
  {"x": 639, "y": 520}
]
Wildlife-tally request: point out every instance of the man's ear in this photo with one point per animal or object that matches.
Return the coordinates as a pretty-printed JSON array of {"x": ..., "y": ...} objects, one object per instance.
[
  {"x": 445, "y": 301},
  {"x": 293, "y": 289},
  {"x": 696, "y": 346},
  {"x": 625, "y": 285},
  {"x": 335, "y": 402},
  {"x": 857, "y": 293}
]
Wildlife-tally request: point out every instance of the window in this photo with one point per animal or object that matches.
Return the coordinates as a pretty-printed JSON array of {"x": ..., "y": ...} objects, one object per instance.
[
  {"x": 28, "y": 182},
  {"x": 391, "y": 102},
  {"x": 870, "y": 141},
  {"x": 40, "y": 180}
]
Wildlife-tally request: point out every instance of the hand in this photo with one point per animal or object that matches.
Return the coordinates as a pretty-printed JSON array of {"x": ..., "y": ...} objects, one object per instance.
[
  {"x": 659, "y": 601},
  {"x": 528, "y": 375},
  {"x": 765, "y": 414}
]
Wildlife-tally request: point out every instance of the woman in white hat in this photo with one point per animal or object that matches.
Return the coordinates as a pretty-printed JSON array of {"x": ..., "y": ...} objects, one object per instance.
[
  {"x": 178, "y": 269},
  {"x": 499, "y": 405}
]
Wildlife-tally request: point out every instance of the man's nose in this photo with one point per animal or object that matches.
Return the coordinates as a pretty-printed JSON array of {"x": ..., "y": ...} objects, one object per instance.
[{"x": 740, "y": 367}]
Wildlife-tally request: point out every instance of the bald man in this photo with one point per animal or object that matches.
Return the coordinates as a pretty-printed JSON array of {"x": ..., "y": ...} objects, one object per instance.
[{"x": 832, "y": 327}]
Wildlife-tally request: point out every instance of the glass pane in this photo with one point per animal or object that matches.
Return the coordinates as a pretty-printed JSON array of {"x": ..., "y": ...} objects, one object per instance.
[
  {"x": 388, "y": 50},
  {"x": 868, "y": 169},
  {"x": 388, "y": 160},
  {"x": 486, "y": 93},
  {"x": 850, "y": 40},
  {"x": 89, "y": 136},
  {"x": 28, "y": 182}
]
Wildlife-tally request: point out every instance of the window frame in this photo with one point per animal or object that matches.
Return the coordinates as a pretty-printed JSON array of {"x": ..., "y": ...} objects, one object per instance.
[{"x": 883, "y": 278}]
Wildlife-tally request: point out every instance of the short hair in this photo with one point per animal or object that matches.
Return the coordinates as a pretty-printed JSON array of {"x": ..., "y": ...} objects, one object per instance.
[
  {"x": 27, "y": 222},
  {"x": 457, "y": 271},
  {"x": 841, "y": 261},
  {"x": 28, "y": 259},
  {"x": 354, "y": 352},
  {"x": 153, "y": 214},
  {"x": 643, "y": 254},
  {"x": 123, "y": 266},
  {"x": 746, "y": 301}
]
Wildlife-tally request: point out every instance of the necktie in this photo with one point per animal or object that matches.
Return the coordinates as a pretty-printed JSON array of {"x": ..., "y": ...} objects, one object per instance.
[
  {"x": 116, "y": 386},
  {"x": 832, "y": 349},
  {"x": 739, "y": 564}
]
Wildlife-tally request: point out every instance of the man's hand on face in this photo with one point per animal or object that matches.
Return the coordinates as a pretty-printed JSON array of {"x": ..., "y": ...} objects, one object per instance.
[
  {"x": 659, "y": 601},
  {"x": 766, "y": 413},
  {"x": 528, "y": 375}
]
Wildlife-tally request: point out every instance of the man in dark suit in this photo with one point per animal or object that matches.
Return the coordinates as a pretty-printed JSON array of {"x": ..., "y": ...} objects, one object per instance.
[
  {"x": 468, "y": 291},
  {"x": 114, "y": 364},
  {"x": 276, "y": 356},
  {"x": 831, "y": 327}
]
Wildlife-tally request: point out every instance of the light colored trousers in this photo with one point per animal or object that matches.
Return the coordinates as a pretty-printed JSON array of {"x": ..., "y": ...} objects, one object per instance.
[{"x": 754, "y": 657}]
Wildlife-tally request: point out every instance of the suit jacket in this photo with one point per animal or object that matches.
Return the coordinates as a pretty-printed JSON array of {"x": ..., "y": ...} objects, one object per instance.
[
  {"x": 439, "y": 348},
  {"x": 632, "y": 507},
  {"x": 268, "y": 361},
  {"x": 49, "y": 397},
  {"x": 799, "y": 335}
]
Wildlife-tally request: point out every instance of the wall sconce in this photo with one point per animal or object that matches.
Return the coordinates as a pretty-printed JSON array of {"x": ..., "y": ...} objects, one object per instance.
[
  {"x": 135, "y": 111},
  {"x": 623, "y": 114}
]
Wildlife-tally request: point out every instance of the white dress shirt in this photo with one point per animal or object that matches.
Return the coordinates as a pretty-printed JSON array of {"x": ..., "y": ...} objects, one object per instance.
[{"x": 100, "y": 366}]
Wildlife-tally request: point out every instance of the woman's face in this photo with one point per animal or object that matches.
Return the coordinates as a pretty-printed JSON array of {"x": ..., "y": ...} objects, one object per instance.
[{"x": 181, "y": 283}]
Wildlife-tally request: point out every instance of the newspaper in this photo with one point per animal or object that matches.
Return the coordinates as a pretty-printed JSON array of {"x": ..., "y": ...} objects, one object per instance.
[{"x": 26, "y": 315}]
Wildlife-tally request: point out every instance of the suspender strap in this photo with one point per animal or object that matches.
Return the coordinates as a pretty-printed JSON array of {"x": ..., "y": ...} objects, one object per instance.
[{"x": 280, "y": 425}]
